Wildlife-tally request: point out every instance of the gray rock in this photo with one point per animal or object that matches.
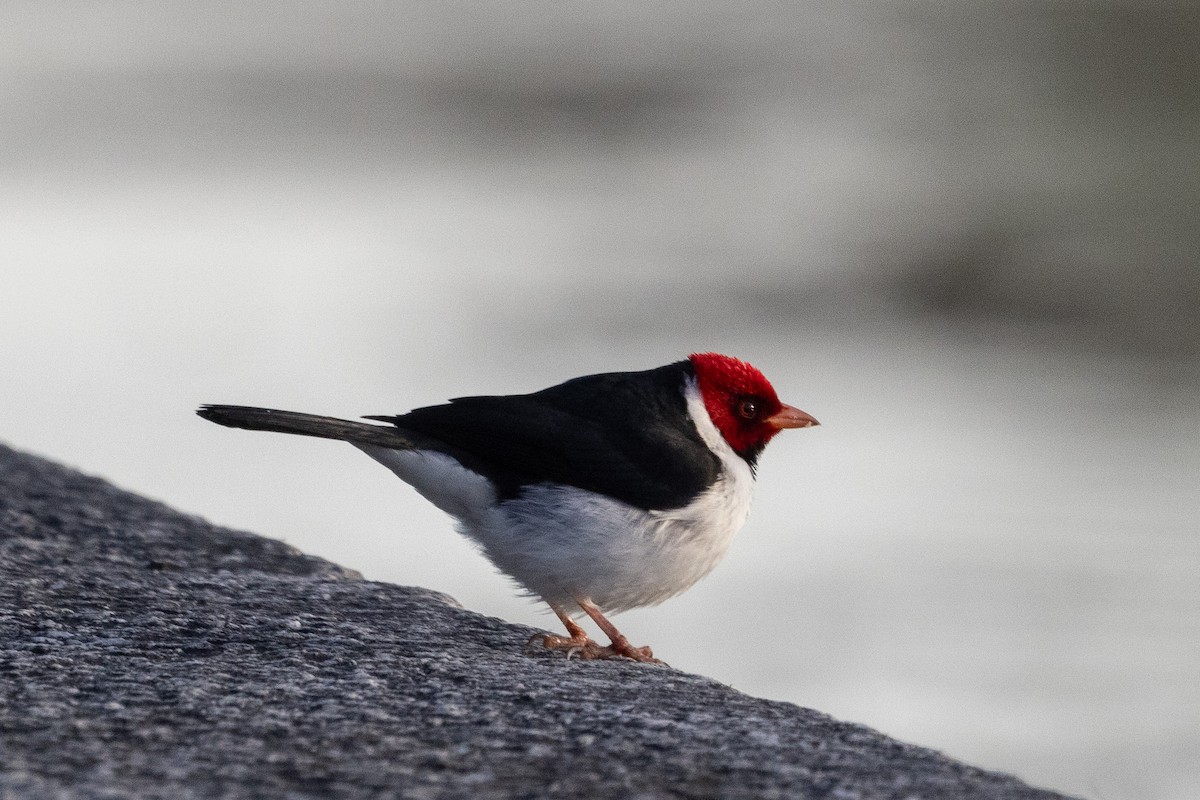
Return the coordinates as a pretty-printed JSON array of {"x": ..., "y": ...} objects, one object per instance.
[{"x": 145, "y": 653}]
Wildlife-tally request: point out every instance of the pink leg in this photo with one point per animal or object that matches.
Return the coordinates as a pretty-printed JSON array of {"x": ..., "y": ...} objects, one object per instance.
[
  {"x": 578, "y": 643},
  {"x": 620, "y": 645}
]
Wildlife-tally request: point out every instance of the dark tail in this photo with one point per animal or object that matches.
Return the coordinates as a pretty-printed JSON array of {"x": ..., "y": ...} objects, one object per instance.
[{"x": 269, "y": 419}]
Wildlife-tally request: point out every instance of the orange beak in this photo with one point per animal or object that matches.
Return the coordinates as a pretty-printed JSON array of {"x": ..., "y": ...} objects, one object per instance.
[{"x": 789, "y": 417}]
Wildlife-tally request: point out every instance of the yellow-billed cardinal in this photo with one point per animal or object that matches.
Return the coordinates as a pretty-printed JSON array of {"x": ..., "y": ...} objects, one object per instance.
[{"x": 604, "y": 493}]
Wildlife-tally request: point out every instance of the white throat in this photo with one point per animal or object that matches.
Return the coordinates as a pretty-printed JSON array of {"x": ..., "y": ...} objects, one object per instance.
[{"x": 735, "y": 467}]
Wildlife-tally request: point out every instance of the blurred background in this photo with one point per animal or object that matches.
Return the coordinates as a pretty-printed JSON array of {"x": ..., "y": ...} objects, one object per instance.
[{"x": 964, "y": 235}]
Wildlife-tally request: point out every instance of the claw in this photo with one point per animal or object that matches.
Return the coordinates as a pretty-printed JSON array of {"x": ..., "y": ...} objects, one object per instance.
[{"x": 586, "y": 650}]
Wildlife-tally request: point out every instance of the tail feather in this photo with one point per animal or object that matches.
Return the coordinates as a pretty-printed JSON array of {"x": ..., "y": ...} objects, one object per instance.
[{"x": 269, "y": 419}]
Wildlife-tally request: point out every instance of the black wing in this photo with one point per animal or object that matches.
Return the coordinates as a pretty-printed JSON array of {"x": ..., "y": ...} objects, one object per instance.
[{"x": 626, "y": 435}]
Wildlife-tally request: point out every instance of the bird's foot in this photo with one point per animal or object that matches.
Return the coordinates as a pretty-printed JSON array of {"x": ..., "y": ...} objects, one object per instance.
[
  {"x": 585, "y": 649},
  {"x": 579, "y": 645},
  {"x": 623, "y": 649}
]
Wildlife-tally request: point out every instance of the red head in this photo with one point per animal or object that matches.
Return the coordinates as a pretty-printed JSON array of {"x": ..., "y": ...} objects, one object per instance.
[{"x": 742, "y": 403}]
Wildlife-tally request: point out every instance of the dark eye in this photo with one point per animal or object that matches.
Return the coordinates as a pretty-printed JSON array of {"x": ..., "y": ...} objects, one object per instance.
[{"x": 747, "y": 409}]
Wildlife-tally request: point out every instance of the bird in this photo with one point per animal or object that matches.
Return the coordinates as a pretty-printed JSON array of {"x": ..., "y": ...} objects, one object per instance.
[{"x": 601, "y": 494}]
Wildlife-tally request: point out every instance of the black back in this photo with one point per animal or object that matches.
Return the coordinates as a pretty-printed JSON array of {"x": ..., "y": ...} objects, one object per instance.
[{"x": 622, "y": 434}]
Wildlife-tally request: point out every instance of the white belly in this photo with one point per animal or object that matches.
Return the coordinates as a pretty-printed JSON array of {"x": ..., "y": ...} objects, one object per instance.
[{"x": 561, "y": 543}]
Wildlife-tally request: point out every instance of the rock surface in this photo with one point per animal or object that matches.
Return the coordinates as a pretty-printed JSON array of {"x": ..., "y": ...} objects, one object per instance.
[{"x": 145, "y": 653}]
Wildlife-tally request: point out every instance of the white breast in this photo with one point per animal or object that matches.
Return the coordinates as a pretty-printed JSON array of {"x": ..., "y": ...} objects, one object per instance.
[{"x": 559, "y": 542}]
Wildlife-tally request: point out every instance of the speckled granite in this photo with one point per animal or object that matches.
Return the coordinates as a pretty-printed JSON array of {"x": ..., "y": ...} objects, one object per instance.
[{"x": 145, "y": 653}]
